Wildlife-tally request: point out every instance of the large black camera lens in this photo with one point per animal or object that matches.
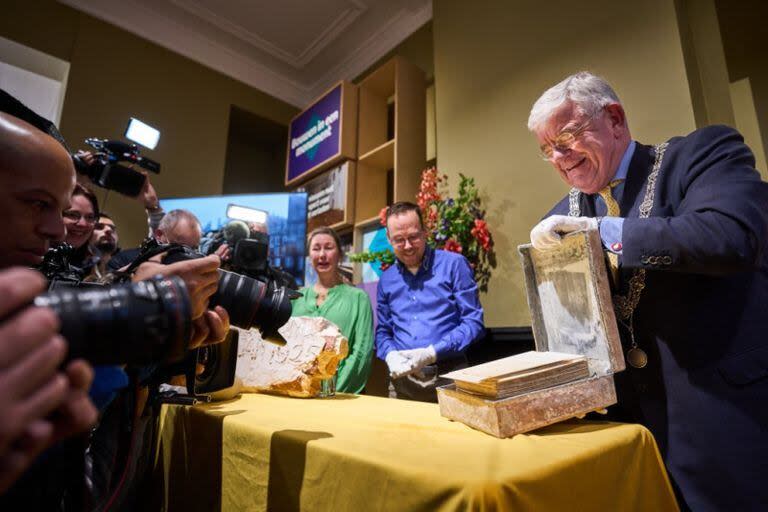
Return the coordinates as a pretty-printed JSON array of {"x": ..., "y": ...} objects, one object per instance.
[
  {"x": 136, "y": 323},
  {"x": 251, "y": 303}
]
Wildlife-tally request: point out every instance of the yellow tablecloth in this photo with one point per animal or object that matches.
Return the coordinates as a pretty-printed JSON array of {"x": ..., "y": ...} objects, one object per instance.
[{"x": 362, "y": 453}]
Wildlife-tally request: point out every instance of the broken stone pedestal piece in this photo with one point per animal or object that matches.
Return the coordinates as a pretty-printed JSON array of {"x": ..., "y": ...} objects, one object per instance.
[{"x": 313, "y": 352}]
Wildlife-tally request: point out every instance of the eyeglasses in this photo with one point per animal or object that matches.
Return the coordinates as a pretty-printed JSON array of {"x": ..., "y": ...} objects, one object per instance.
[
  {"x": 564, "y": 141},
  {"x": 399, "y": 241},
  {"x": 76, "y": 216}
]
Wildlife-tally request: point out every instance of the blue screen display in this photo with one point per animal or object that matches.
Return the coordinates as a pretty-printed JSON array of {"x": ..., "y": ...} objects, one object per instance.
[{"x": 286, "y": 222}]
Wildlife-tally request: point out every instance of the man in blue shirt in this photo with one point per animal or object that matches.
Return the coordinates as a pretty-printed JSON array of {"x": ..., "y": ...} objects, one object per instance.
[{"x": 428, "y": 309}]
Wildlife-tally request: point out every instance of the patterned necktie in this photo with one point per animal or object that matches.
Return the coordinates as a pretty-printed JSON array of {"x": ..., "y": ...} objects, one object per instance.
[{"x": 613, "y": 211}]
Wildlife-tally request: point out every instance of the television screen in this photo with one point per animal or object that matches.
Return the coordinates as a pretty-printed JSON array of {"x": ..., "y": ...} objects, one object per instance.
[{"x": 286, "y": 219}]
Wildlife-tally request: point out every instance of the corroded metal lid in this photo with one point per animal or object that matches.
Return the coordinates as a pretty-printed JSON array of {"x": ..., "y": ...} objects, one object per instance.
[{"x": 570, "y": 301}]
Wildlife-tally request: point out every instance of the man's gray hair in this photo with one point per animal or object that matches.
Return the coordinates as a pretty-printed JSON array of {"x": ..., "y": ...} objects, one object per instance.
[
  {"x": 173, "y": 217},
  {"x": 590, "y": 92}
]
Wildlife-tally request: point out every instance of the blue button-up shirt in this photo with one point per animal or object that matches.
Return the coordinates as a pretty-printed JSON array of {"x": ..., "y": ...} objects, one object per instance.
[{"x": 439, "y": 306}]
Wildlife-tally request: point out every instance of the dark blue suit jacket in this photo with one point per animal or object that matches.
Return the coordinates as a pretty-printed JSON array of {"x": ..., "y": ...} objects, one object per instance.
[{"x": 703, "y": 316}]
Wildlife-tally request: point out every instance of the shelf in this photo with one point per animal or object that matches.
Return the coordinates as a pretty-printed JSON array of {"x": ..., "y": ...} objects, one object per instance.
[
  {"x": 365, "y": 223},
  {"x": 382, "y": 157},
  {"x": 382, "y": 81},
  {"x": 391, "y": 142}
]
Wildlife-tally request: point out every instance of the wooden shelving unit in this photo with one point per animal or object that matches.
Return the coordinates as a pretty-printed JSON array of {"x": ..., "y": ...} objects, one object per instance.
[{"x": 391, "y": 147}]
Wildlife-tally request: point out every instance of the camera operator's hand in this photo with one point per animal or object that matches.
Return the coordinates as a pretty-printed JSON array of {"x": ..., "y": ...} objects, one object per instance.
[
  {"x": 77, "y": 413},
  {"x": 31, "y": 386},
  {"x": 223, "y": 252},
  {"x": 211, "y": 328},
  {"x": 148, "y": 195},
  {"x": 87, "y": 157},
  {"x": 199, "y": 275}
]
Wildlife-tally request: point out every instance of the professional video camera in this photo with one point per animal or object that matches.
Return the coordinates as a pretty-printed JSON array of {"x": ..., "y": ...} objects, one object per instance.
[
  {"x": 108, "y": 173},
  {"x": 249, "y": 253}
]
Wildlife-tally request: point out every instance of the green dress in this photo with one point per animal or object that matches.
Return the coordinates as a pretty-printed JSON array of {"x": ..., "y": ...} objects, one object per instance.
[{"x": 350, "y": 309}]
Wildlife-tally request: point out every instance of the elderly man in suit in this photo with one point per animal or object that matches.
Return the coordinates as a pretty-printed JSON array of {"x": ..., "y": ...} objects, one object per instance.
[{"x": 685, "y": 228}]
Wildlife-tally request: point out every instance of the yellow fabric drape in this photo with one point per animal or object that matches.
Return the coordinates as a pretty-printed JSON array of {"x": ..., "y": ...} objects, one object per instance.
[{"x": 354, "y": 453}]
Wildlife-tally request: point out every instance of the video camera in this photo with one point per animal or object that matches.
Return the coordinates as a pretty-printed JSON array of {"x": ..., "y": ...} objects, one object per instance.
[
  {"x": 249, "y": 253},
  {"x": 107, "y": 172}
]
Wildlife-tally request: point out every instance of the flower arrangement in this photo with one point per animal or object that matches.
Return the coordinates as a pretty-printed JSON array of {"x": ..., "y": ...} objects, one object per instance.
[{"x": 456, "y": 225}]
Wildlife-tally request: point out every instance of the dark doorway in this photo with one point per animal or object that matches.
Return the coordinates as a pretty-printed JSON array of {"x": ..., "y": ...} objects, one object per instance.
[{"x": 255, "y": 154}]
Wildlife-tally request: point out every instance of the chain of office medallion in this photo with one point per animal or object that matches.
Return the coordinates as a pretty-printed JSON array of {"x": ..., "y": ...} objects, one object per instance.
[{"x": 625, "y": 305}]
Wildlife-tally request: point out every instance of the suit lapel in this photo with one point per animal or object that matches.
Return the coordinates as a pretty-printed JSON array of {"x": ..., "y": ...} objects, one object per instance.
[{"x": 637, "y": 175}]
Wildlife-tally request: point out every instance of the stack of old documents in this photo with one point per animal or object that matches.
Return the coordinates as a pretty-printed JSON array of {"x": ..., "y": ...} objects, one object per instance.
[{"x": 520, "y": 374}]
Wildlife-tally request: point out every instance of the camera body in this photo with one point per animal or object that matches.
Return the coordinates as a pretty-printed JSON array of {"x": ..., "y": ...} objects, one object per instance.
[
  {"x": 57, "y": 269},
  {"x": 249, "y": 254},
  {"x": 250, "y": 302},
  {"x": 107, "y": 172}
]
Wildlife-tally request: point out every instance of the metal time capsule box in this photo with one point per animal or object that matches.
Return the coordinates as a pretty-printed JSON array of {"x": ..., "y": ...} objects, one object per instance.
[{"x": 571, "y": 313}]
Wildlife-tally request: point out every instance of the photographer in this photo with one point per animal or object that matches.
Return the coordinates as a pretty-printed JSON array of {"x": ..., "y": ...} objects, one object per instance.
[
  {"x": 148, "y": 198},
  {"x": 103, "y": 244},
  {"x": 36, "y": 180},
  {"x": 80, "y": 220}
]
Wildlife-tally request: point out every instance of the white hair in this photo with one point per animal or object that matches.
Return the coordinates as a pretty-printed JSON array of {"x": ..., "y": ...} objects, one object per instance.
[
  {"x": 173, "y": 217},
  {"x": 590, "y": 92}
]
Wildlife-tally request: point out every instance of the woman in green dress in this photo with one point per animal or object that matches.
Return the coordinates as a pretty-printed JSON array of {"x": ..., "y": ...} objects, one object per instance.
[{"x": 344, "y": 305}]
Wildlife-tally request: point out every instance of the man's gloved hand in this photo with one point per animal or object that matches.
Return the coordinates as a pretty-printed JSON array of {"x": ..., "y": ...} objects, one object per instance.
[
  {"x": 420, "y": 357},
  {"x": 398, "y": 364},
  {"x": 547, "y": 233}
]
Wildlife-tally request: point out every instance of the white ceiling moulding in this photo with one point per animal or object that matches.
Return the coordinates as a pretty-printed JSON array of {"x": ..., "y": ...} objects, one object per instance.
[
  {"x": 344, "y": 19},
  {"x": 147, "y": 24},
  {"x": 405, "y": 23},
  {"x": 278, "y": 71}
]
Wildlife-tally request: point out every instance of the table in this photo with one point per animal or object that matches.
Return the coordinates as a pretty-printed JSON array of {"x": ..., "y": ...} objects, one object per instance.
[{"x": 363, "y": 453}]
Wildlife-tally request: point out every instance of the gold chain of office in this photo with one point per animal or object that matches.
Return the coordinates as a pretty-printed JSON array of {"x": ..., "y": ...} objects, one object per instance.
[{"x": 625, "y": 305}]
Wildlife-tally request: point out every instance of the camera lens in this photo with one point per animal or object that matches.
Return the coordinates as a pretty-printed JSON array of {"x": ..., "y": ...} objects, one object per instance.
[
  {"x": 136, "y": 323},
  {"x": 250, "y": 302}
]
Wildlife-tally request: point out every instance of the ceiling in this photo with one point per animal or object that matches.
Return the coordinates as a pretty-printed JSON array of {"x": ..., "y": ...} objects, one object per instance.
[{"x": 291, "y": 49}]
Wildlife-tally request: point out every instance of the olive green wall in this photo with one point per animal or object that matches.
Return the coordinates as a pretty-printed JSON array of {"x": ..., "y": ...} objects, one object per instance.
[
  {"x": 493, "y": 58},
  {"x": 416, "y": 48},
  {"x": 742, "y": 25},
  {"x": 115, "y": 75}
]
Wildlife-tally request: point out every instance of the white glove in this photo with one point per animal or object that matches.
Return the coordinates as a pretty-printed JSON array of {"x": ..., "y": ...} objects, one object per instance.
[
  {"x": 420, "y": 357},
  {"x": 398, "y": 364},
  {"x": 547, "y": 233}
]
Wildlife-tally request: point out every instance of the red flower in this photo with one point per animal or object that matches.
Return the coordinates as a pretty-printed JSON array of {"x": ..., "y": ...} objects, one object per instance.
[
  {"x": 385, "y": 266},
  {"x": 383, "y": 216},
  {"x": 452, "y": 245},
  {"x": 481, "y": 234},
  {"x": 428, "y": 188}
]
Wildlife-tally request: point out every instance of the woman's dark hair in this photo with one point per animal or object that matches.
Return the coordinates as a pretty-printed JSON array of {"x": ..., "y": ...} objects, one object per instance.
[
  {"x": 81, "y": 190},
  {"x": 325, "y": 230}
]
